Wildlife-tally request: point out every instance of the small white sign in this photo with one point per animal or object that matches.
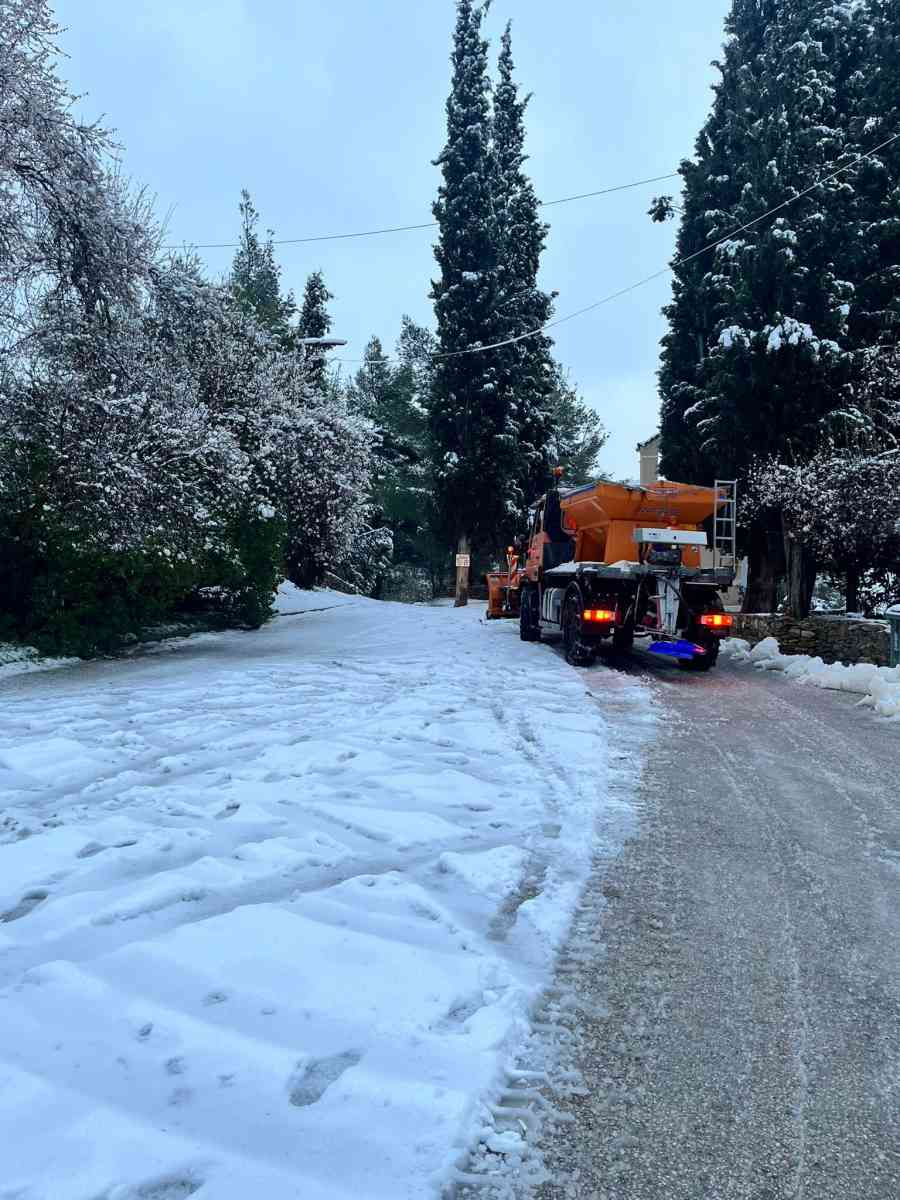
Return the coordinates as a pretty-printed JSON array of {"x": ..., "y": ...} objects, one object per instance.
[
  {"x": 462, "y": 560},
  {"x": 671, "y": 537}
]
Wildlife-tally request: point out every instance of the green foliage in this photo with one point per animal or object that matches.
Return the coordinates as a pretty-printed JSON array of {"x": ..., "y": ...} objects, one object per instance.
[
  {"x": 314, "y": 320},
  {"x": 577, "y": 434},
  {"x": 77, "y": 596},
  {"x": 394, "y": 397},
  {"x": 88, "y": 602}
]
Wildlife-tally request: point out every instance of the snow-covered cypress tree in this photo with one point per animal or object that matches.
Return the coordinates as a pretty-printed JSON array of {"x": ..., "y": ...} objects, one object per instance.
[
  {"x": 875, "y": 308},
  {"x": 255, "y": 280},
  {"x": 703, "y": 294},
  {"x": 473, "y": 443},
  {"x": 759, "y": 359},
  {"x": 528, "y": 373}
]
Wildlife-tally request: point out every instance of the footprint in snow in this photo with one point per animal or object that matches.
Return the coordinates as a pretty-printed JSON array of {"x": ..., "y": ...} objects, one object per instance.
[
  {"x": 228, "y": 811},
  {"x": 28, "y": 902},
  {"x": 90, "y": 850},
  {"x": 215, "y": 998},
  {"x": 314, "y": 1079},
  {"x": 172, "y": 1187}
]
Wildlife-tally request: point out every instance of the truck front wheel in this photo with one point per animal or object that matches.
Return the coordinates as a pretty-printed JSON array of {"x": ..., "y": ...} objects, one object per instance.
[{"x": 529, "y": 618}]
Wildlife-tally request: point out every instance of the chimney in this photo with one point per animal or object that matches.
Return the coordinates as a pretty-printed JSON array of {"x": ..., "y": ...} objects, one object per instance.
[{"x": 649, "y": 458}]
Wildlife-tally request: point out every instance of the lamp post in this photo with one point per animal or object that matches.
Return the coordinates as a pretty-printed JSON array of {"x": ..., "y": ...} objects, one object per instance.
[{"x": 314, "y": 351}]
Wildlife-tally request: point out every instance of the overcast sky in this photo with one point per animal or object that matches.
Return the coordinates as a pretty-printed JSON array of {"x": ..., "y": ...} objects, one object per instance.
[{"x": 330, "y": 112}]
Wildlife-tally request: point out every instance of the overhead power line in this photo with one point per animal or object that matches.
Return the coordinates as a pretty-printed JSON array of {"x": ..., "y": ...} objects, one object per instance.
[
  {"x": 338, "y": 237},
  {"x": 521, "y": 337}
]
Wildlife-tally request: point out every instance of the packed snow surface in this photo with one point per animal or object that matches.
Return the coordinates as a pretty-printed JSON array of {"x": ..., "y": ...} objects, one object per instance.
[
  {"x": 879, "y": 687},
  {"x": 275, "y": 905}
]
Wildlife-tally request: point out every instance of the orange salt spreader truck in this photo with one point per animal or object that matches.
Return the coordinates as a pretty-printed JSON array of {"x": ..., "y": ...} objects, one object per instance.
[{"x": 619, "y": 563}]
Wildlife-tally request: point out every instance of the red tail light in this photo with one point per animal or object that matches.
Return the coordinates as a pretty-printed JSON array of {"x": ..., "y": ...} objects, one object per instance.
[
  {"x": 717, "y": 620},
  {"x": 598, "y": 614}
]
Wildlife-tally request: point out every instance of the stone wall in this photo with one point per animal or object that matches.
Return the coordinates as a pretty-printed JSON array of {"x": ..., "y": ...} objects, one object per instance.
[{"x": 832, "y": 638}]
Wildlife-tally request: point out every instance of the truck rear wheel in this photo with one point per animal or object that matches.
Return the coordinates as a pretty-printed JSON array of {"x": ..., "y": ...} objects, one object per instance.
[
  {"x": 623, "y": 637},
  {"x": 529, "y": 618},
  {"x": 701, "y": 662},
  {"x": 577, "y": 653}
]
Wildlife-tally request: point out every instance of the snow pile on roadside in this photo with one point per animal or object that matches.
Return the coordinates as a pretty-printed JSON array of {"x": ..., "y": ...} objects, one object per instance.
[
  {"x": 879, "y": 687},
  {"x": 21, "y": 660},
  {"x": 275, "y": 906}
]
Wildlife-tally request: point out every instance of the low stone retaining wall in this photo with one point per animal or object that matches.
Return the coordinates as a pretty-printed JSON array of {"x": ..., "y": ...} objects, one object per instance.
[{"x": 831, "y": 638}]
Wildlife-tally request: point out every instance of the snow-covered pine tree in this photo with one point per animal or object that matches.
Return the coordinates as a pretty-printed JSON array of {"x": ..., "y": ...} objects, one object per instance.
[
  {"x": 389, "y": 395},
  {"x": 315, "y": 322},
  {"x": 527, "y": 371},
  {"x": 474, "y": 445},
  {"x": 255, "y": 280}
]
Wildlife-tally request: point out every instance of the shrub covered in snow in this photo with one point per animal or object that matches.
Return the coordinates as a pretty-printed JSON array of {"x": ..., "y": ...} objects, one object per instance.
[
  {"x": 843, "y": 509},
  {"x": 157, "y": 439}
]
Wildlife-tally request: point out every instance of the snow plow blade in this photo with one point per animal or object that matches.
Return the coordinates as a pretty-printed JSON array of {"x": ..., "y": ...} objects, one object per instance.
[{"x": 503, "y": 599}]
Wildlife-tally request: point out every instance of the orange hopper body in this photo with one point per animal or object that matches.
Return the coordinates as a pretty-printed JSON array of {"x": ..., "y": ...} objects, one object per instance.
[{"x": 603, "y": 518}]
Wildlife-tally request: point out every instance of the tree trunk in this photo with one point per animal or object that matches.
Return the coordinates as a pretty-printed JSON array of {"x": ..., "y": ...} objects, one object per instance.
[
  {"x": 462, "y": 572},
  {"x": 765, "y": 563},
  {"x": 851, "y": 600},
  {"x": 801, "y": 575}
]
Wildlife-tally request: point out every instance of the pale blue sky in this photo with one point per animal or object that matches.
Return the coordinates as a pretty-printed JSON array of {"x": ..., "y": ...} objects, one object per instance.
[{"x": 331, "y": 112}]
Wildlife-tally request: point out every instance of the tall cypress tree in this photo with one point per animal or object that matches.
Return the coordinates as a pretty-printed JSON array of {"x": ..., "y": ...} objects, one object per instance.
[
  {"x": 758, "y": 357},
  {"x": 473, "y": 447},
  {"x": 875, "y": 308},
  {"x": 528, "y": 374}
]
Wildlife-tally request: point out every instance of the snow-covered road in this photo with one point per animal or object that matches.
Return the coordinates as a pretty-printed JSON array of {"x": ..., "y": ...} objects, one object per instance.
[{"x": 275, "y": 905}]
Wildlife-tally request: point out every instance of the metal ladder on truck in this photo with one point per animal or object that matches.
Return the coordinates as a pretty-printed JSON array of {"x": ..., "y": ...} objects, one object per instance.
[{"x": 724, "y": 547}]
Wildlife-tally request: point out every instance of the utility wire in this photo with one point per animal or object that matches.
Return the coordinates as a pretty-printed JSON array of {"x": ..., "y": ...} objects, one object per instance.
[
  {"x": 648, "y": 278},
  {"x": 521, "y": 337},
  {"x": 337, "y": 237}
]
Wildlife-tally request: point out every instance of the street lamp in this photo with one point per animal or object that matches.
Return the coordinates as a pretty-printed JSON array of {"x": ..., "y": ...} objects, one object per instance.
[{"x": 318, "y": 347}]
